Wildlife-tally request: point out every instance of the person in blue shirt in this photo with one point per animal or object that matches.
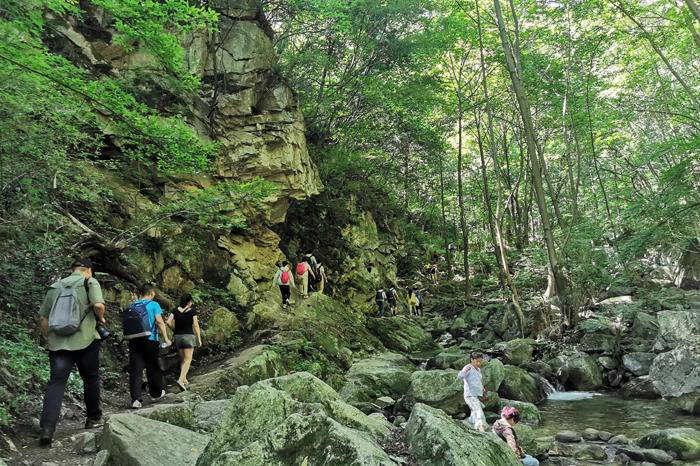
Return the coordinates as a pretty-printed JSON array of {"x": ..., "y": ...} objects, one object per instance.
[{"x": 144, "y": 352}]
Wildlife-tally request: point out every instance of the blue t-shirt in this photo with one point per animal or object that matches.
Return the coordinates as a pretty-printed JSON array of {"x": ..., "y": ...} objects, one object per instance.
[{"x": 154, "y": 310}]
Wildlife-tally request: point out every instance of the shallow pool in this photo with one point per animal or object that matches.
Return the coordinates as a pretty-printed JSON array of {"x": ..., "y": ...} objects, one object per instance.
[{"x": 607, "y": 411}]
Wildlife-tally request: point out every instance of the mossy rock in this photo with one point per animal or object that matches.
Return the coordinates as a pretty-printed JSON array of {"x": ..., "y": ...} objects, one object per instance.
[
  {"x": 221, "y": 326},
  {"x": 402, "y": 334},
  {"x": 249, "y": 366},
  {"x": 386, "y": 374},
  {"x": 517, "y": 351},
  {"x": 435, "y": 438},
  {"x": 493, "y": 372},
  {"x": 438, "y": 388},
  {"x": 529, "y": 413},
  {"x": 684, "y": 442},
  {"x": 286, "y": 419},
  {"x": 583, "y": 372},
  {"x": 519, "y": 385}
]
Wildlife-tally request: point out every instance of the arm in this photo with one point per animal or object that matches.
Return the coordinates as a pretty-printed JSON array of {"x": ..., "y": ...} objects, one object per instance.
[
  {"x": 463, "y": 373},
  {"x": 510, "y": 439},
  {"x": 44, "y": 325},
  {"x": 99, "y": 309},
  {"x": 98, "y": 302},
  {"x": 197, "y": 331},
  {"x": 171, "y": 321},
  {"x": 163, "y": 329}
]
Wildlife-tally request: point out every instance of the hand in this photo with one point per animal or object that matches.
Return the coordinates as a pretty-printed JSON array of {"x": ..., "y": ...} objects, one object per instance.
[
  {"x": 199, "y": 343},
  {"x": 168, "y": 342},
  {"x": 484, "y": 398}
]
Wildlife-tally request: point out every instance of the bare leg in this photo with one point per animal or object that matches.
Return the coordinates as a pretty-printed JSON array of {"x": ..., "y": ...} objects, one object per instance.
[{"x": 185, "y": 361}]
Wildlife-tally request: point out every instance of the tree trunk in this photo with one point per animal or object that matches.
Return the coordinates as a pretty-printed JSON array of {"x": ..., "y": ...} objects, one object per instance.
[
  {"x": 512, "y": 64},
  {"x": 460, "y": 194},
  {"x": 445, "y": 232}
]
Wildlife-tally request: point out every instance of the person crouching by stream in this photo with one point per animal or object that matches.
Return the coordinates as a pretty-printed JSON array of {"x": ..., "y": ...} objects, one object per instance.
[
  {"x": 186, "y": 335},
  {"x": 285, "y": 281},
  {"x": 474, "y": 391},
  {"x": 504, "y": 429}
]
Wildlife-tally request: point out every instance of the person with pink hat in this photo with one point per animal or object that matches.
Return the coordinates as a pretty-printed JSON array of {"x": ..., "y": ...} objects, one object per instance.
[{"x": 503, "y": 427}]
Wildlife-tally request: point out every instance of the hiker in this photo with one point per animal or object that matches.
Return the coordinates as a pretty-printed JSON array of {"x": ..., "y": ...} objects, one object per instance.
[
  {"x": 285, "y": 281},
  {"x": 322, "y": 278},
  {"x": 412, "y": 302},
  {"x": 393, "y": 297},
  {"x": 381, "y": 299},
  {"x": 433, "y": 273},
  {"x": 303, "y": 270},
  {"x": 419, "y": 306},
  {"x": 504, "y": 429},
  {"x": 474, "y": 390},
  {"x": 186, "y": 335},
  {"x": 68, "y": 319},
  {"x": 141, "y": 322}
]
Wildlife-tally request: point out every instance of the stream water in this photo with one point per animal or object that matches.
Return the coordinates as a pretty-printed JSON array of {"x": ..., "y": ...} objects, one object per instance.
[{"x": 609, "y": 412}]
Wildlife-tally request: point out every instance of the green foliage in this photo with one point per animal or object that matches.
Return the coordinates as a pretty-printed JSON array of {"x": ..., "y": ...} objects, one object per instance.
[
  {"x": 220, "y": 207},
  {"x": 28, "y": 365}
]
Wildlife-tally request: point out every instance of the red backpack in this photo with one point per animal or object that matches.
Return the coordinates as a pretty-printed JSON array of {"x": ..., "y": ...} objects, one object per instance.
[
  {"x": 284, "y": 278},
  {"x": 301, "y": 268}
]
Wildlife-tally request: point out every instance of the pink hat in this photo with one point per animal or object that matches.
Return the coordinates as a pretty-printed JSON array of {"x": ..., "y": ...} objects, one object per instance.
[{"x": 508, "y": 412}]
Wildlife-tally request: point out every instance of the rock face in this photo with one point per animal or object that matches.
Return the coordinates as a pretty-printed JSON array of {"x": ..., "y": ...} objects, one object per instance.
[
  {"x": 434, "y": 438},
  {"x": 684, "y": 442},
  {"x": 384, "y": 374},
  {"x": 137, "y": 441},
  {"x": 520, "y": 386},
  {"x": 439, "y": 389},
  {"x": 287, "y": 419},
  {"x": 583, "y": 372},
  {"x": 677, "y": 327},
  {"x": 677, "y": 374},
  {"x": 245, "y": 106},
  {"x": 638, "y": 363}
]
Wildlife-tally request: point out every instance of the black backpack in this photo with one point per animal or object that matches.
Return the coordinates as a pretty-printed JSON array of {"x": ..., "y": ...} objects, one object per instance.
[
  {"x": 135, "y": 321},
  {"x": 380, "y": 295}
]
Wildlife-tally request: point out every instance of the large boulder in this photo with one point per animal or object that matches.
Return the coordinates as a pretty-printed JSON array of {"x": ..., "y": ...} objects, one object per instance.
[
  {"x": 401, "y": 334},
  {"x": 138, "y": 441},
  {"x": 677, "y": 328},
  {"x": 640, "y": 387},
  {"x": 520, "y": 385},
  {"x": 286, "y": 419},
  {"x": 517, "y": 351},
  {"x": 438, "y": 388},
  {"x": 529, "y": 413},
  {"x": 448, "y": 360},
  {"x": 644, "y": 326},
  {"x": 583, "y": 372},
  {"x": 599, "y": 343},
  {"x": 683, "y": 441},
  {"x": 676, "y": 374},
  {"x": 386, "y": 374},
  {"x": 638, "y": 363},
  {"x": 253, "y": 364},
  {"x": 434, "y": 438},
  {"x": 493, "y": 372}
]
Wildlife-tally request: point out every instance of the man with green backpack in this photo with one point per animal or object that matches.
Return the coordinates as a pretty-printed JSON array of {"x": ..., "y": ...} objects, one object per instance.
[{"x": 69, "y": 316}]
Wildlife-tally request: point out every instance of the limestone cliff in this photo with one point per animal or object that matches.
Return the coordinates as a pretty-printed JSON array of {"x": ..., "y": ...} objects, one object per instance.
[{"x": 245, "y": 105}]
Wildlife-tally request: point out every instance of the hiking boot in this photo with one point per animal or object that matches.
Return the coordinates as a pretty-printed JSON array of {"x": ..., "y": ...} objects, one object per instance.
[
  {"x": 94, "y": 423},
  {"x": 46, "y": 437},
  {"x": 136, "y": 405}
]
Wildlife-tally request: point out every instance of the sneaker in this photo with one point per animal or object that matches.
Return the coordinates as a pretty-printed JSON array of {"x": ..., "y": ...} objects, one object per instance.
[
  {"x": 160, "y": 397},
  {"x": 136, "y": 405},
  {"x": 46, "y": 437},
  {"x": 182, "y": 385},
  {"x": 94, "y": 423}
]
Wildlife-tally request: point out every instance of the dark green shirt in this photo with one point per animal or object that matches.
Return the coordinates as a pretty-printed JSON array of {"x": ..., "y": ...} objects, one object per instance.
[{"x": 86, "y": 334}]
